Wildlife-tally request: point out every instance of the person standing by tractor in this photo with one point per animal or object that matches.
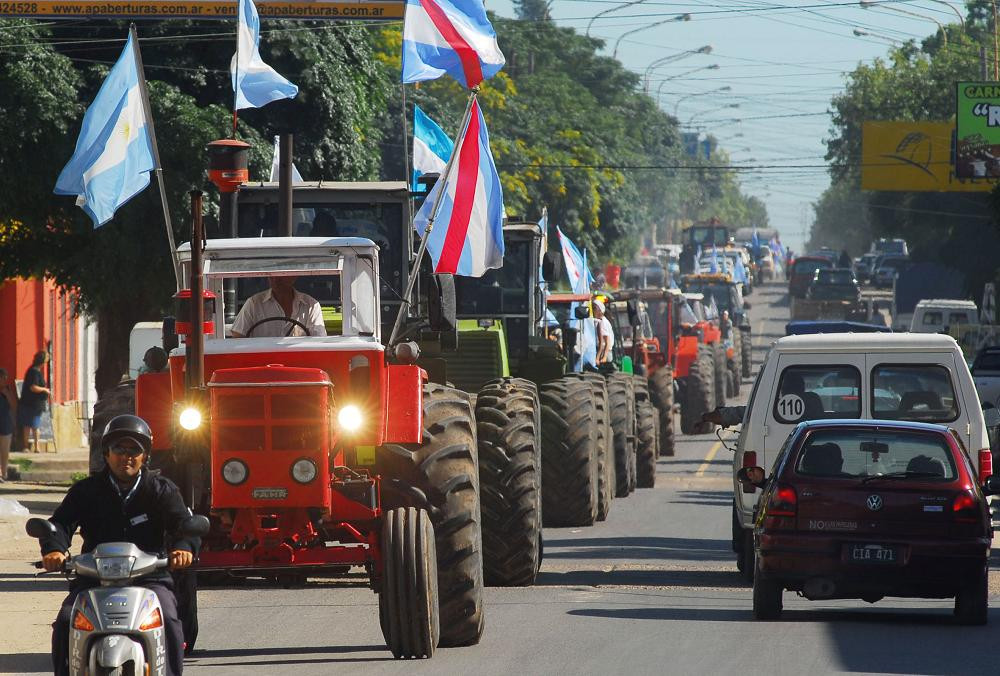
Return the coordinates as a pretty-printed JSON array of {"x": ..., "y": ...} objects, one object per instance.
[
  {"x": 8, "y": 409},
  {"x": 605, "y": 333},
  {"x": 124, "y": 503},
  {"x": 34, "y": 396}
]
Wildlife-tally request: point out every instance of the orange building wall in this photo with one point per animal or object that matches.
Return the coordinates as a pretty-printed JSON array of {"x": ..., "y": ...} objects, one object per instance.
[{"x": 32, "y": 313}]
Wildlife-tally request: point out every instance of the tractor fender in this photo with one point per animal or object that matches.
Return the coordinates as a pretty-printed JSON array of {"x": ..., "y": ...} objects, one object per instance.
[
  {"x": 403, "y": 404},
  {"x": 687, "y": 352},
  {"x": 154, "y": 403}
]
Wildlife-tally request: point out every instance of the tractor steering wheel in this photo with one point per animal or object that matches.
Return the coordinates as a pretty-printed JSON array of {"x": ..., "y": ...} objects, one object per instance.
[{"x": 294, "y": 322}]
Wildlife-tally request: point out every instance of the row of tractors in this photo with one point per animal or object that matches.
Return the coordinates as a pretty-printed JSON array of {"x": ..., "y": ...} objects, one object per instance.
[{"x": 432, "y": 461}]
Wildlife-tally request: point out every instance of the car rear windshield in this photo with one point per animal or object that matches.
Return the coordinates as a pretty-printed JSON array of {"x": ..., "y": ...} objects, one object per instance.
[
  {"x": 913, "y": 392},
  {"x": 835, "y": 277},
  {"x": 858, "y": 453},
  {"x": 987, "y": 361},
  {"x": 817, "y": 393},
  {"x": 803, "y": 267}
]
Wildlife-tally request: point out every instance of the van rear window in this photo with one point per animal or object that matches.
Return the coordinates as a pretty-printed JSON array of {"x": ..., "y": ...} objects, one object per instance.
[
  {"x": 921, "y": 392},
  {"x": 818, "y": 393}
]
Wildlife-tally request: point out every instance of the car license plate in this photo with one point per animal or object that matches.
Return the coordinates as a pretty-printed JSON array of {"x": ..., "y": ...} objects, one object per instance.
[{"x": 874, "y": 554}]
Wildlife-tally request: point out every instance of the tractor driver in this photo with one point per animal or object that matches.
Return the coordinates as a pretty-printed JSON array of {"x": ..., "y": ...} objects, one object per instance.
[{"x": 280, "y": 301}]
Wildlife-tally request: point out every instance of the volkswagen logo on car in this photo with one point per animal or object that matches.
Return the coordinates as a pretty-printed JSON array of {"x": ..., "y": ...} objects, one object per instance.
[{"x": 874, "y": 502}]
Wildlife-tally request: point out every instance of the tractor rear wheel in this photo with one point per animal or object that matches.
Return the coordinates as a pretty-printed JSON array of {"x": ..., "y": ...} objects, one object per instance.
[
  {"x": 661, "y": 393},
  {"x": 510, "y": 458},
  {"x": 441, "y": 475},
  {"x": 647, "y": 422},
  {"x": 408, "y": 590},
  {"x": 699, "y": 392},
  {"x": 721, "y": 373},
  {"x": 746, "y": 349},
  {"x": 569, "y": 453},
  {"x": 621, "y": 403},
  {"x": 606, "y": 452}
]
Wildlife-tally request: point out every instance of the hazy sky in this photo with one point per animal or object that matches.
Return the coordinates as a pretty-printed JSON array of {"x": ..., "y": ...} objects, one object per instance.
[{"x": 783, "y": 61}]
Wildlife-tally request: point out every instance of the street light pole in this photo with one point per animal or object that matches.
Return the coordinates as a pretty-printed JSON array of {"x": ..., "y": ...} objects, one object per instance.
[
  {"x": 679, "y": 17},
  {"x": 659, "y": 89},
  {"x": 878, "y": 36},
  {"x": 704, "y": 49},
  {"x": 868, "y": 4},
  {"x": 608, "y": 11},
  {"x": 709, "y": 110},
  {"x": 677, "y": 104}
]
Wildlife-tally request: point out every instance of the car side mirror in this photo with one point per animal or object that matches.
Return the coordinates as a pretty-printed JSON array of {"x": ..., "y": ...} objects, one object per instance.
[
  {"x": 551, "y": 265},
  {"x": 992, "y": 485},
  {"x": 195, "y": 525},
  {"x": 41, "y": 528},
  {"x": 746, "y": 305},
  {"x": 752, "y": 476},
  {"x": 581, "y": 312}
]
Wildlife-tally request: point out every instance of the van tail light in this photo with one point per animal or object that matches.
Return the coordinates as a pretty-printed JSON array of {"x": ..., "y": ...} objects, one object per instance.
[
  {"x": 985, "y": 464},
  {"x": 750, "y": 459},
  {"x": 784, "y": 501},
  {"x": 965, "y": 508}
]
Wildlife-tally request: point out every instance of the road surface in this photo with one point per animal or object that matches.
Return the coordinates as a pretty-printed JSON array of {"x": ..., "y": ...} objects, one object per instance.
[{"x": 652, "y": 590}]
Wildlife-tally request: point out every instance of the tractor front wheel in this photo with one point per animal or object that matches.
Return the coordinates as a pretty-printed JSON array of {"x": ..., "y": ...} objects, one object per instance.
[
  {"x": 621, "y": 402},
  {"x": 408, "y": 591},
  {"x": 721, "y": 373},
  {"x": 661, "y": 393},
  {"x": 699, "y": 391},
  {"x": 441, "y": 475},
  {"x": 647, "y": 422},
  {"x": 605, "y": 451},
  {"x": 569, "y": 453},
  {"x": 746, "y": 351},
  {"x": 510, "y": 457}
]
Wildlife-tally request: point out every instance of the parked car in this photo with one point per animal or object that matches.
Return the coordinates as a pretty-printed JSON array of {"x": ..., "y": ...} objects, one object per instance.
[
  {"x": 890, "y": 246},
  {"x": 887, "y": 376},
  {"x": 834, "y": 284},
  {"x": 986, "y": 375},
  {"x": 887, "y": 269},
  {"x": 872, "y": 508},
  {"x": 935, "y": 315},
  {"x": 803, "y": 271},
  {"x": 863, "y": 266}
]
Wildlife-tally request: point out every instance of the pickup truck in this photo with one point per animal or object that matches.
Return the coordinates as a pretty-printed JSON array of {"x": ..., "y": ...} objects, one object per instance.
[{"x": 986, "y": 375}]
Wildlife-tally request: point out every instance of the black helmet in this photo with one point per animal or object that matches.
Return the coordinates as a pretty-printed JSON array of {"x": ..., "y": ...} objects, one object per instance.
[{"x": 130, "y": 426}]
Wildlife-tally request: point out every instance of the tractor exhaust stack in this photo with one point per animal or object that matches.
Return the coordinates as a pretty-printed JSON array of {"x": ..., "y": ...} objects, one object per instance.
[
  {"x": 196, "y": 338},
  {"x": 285, "y": 224}
]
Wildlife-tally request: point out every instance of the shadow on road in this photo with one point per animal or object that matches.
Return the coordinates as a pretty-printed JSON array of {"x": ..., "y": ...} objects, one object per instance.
[
  {"x": 639, "y": 548},
  {"x": 30, "y": 583},
  {"x": 717, "y": 579},
  {"x": 310, "y": 655},
  {"x": 678, "y": 614},
  {"x": 708, "y": 498},
  {"x": 22, "y": 663}
]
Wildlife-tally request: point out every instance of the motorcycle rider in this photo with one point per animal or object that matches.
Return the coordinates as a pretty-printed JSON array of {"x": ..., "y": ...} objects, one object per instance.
[{"x": 125, "y": 503}]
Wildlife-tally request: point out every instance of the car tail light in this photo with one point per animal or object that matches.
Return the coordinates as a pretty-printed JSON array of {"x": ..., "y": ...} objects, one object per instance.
[
  {"x": 784, "y": 501},
  {"x": 985, "y": 464},
  {"x": 965, "y": 508}
]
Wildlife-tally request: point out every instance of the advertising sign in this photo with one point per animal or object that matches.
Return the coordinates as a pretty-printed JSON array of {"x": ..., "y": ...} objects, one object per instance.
[
  {"x": 912, "y": 157},
  {"x": 977, "y": 149},
  {"x": 204, "y": 9}
]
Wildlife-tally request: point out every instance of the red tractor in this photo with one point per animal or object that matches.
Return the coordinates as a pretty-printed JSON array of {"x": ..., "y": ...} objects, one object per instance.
[{"x": 315, "y": 453}]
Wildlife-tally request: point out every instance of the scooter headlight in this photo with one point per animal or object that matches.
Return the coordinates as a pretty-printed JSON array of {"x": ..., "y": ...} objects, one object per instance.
[
  {"x": 235, "y": 472},
  {"x": 350, "y": 418},
  {"x": 114, "y": 567},
  {"x": 304, "y": 470}
]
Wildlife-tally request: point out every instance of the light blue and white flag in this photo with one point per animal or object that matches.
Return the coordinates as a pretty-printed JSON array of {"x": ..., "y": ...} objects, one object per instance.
[
  {"x": 431, "y": 146},
  {"x": 449, "y": 36},
  {"x": 114, "y": 153},
  {"x": 256, "y": 84},
  {"x": 576, "y": 265}
]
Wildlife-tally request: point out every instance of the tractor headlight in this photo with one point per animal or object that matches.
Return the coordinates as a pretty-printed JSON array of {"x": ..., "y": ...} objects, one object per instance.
[
  {"x": 190, "y": 418},
  {"x": 350, "y": 418},
  {"x": 304, "y": 470},
  {"x": 235, "y": 472}
]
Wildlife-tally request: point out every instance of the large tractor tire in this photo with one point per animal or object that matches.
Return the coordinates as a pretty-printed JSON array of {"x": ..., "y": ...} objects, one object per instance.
[
  {"x": 510, "y": 480},
  {"x": 661, "y": 393},
  {"x": 116, "y": 401},
  {"x": 746, "y": 350},
  {"x": 721, "y": 372},
  {"x": 569, "y": 453},
  {"x": 441, "y": 475},
  {"x": 408, "y": 590},
  {"x": 621, "y": 402},
  {"x": 733, "y": 379},
  {"x": 700, "y": 391},
  {"x": 647, "y": 422},
  {"x": 605, "y": 449}
]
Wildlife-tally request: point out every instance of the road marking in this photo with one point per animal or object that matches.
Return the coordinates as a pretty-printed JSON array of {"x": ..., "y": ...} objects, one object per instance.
[{"x": 708, "y": 459}]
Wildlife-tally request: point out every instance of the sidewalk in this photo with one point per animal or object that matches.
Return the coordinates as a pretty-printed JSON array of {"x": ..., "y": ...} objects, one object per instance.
[{"x": 62, "y": 467}]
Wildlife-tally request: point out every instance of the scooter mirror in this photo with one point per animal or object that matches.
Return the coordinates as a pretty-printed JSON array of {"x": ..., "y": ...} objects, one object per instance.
[
  {"x": 195, "y": 526},
  {"x": 39, "y": 528}
]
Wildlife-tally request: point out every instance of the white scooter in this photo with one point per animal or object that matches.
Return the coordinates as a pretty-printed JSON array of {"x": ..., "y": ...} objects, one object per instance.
[{"x": 116, "y": 628}]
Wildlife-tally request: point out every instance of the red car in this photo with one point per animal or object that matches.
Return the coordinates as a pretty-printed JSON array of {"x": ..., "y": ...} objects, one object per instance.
[
  {"x": 803, "y": 270},
  {"x": 867, "y": 509}
]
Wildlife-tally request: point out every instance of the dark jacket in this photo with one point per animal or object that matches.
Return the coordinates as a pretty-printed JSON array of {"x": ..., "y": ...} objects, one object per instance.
[{"x": 149, "y": 518}]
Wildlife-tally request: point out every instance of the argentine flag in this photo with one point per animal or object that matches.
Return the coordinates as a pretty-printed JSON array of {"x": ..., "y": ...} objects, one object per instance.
[
  {"x": 431, "y": 146},
  {"x": 576, "y": 264},
  {"x": 114, "y": 154},
  {"x": 449, "y": 36},
  {"x": 468, "y": 237},
  {"x": 256, "y": 84}
]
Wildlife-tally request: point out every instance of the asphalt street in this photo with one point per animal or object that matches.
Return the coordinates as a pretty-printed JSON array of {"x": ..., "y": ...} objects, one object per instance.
[{"x": 652, "y": 590}]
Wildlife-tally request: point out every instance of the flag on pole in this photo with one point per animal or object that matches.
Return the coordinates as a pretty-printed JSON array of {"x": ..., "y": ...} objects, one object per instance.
[
  {"x": 449, "y": 36},
  {"x": 431, "y": 146},
  {"x": 114, "y": 153},
  {"x": 576, "y": 264},
  {"x": 275, "y": 161},
  {"x": 468, "y": 239},
  {"x": 256, "y": 84}
]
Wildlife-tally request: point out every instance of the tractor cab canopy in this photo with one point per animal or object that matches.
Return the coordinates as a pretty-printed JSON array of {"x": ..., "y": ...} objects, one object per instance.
[
  {"x": 341, "y": 273},
  {"x": 726, "y": 293}
]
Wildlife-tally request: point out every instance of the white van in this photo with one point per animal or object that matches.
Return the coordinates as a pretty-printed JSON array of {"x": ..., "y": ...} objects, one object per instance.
[
  {"x": 936, "y": 315},
  {"x": 894, "y": 376}
]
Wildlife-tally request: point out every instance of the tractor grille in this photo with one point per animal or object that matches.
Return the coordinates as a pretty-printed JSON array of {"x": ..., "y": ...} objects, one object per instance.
[{"x": 476, "y": 361}]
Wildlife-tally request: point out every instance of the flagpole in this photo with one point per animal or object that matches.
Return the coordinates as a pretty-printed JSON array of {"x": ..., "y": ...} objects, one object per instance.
[
  {"x": 407, "y": 171},
  {"x": 157, "y": 169},
  {"x": 236, "y": 64},
  {"x": 415, "y": 270}
]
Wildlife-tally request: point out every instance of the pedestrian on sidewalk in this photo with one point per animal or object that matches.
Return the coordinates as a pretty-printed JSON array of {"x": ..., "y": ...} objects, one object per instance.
[
  {"x": 34, "y": 396},
  {"x": 8, "y": 409}
]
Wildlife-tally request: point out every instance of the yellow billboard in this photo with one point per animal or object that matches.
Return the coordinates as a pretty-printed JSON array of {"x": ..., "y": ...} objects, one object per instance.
[
  {"x": 912, "y": 157},
  {"x": 205, "y": 9}
]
